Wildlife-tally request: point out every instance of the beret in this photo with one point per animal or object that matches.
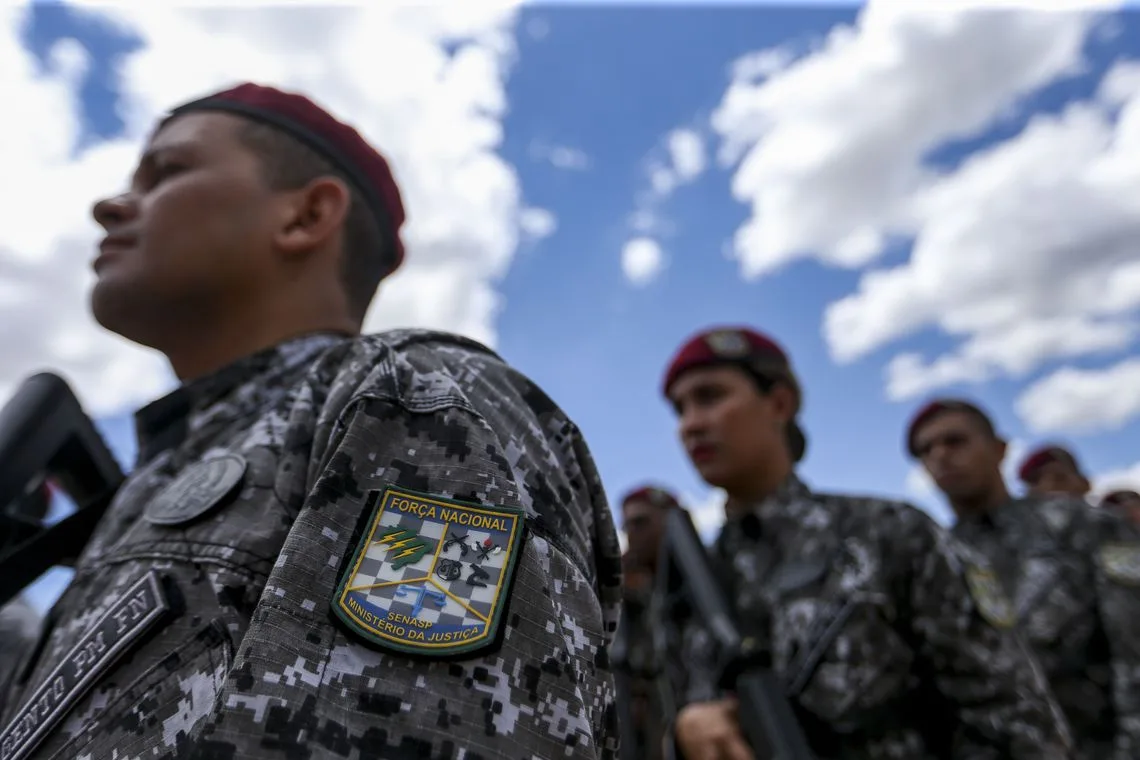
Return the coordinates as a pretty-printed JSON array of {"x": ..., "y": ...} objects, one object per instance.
[
  {"x": 1117, "y": 498},
  {"x": 746, "y": 348},
  {"x": 658, "y": 497},
  {"x": 731, "y": 345},
  {"x": 1043, "y": 456},
  {"x": 933, "y": 409},
  {"x": 337, "y": 142}
]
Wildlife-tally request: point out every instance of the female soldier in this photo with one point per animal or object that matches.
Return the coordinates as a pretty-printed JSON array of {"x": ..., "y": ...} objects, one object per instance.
[{"x": 890, "y": 641}]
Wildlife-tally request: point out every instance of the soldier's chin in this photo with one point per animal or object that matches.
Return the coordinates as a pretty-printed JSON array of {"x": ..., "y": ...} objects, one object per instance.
[{"x": 117, "y": 309}]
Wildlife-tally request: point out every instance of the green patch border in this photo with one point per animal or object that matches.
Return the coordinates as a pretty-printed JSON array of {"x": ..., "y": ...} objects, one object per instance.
[{"x": 379, "y": 501}]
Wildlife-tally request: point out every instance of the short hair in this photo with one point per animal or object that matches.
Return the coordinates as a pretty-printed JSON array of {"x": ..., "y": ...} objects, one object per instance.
[{"x": 288, "y": 164}]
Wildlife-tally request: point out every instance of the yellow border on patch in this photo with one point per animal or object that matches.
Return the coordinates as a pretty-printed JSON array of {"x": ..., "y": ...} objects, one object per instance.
[{"x": 380, "y": 502}]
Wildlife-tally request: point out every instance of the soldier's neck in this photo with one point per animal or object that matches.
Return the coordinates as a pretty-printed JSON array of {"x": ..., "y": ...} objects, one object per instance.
[{"x": 981, "y": 504}]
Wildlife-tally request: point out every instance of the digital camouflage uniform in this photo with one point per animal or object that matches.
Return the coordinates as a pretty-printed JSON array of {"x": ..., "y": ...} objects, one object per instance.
[
  {"x": 870, "y": 622},
  {"x": 310, "y": 610},
  {"x": 19, "y": 627},
  {"x": 1073, "y": 573}
]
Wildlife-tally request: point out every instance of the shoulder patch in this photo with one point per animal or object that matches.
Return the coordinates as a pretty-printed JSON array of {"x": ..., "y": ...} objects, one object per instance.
[
  {"x": 429, "y": 575},
  {"x": 990, "y": 597},
  {"x": 1120, "y": 562}
]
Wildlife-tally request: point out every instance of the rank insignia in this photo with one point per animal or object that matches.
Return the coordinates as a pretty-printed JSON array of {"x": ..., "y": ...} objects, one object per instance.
[
  {"x": 1121, "y": 562},
  {"x": 990, "y": 597},
  {"x": 429, "y": 576},
  {"x": 728, "y": 344}
]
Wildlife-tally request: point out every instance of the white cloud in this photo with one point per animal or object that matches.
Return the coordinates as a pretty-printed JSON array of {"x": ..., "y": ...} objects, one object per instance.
[
  {"x": 832, "y": 144},
  {"x": 1083, "y": 400},
  {"x": 439, "y": 121},
  {"x": 537, "y": 223},
  {"x": 559, "y": 156},
  {"x": 1022, "y": 255},
  {"x": 1015, "y": 349},
  {"x": 685, "y": 161},
  {"x": 642, "y": 260},
  {"x": 687, "y": 154}
]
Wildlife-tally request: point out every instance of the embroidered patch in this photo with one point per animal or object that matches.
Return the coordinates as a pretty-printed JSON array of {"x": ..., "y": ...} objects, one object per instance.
[
  {"x": 429, "y": 575},
  {"x": 728, "y": 344},
  {"x": 990, "y": 597},
  {"x": 111, "y": 637},
  {"x": 1121, "y": 562},
  {"x": 199, "y": 489}
]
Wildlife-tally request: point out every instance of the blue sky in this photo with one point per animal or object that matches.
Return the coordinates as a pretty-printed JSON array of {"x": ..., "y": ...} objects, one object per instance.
[{"x": 602, "y": 88}]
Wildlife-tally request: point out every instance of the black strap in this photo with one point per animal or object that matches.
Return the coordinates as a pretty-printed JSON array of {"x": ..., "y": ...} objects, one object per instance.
[{"x": 59, "y": 544}]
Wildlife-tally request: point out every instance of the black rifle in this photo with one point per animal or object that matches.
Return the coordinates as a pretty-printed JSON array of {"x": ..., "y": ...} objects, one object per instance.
[
  {"x": 45, "y": 434},
  {"x": 631, "y": 748},
  {"x": 767, "y": 718}
]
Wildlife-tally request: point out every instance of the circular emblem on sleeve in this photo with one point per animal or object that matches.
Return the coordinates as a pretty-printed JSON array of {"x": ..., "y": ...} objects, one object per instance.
[{"x": 199, "y": 489}]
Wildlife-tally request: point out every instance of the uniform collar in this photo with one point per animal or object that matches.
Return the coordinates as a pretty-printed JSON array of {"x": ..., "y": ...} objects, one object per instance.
[{"x": 164, "y": 423}]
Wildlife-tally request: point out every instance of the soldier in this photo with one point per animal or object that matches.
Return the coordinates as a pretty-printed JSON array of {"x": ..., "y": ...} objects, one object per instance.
[
  {"x": 1126, "y": 503},
  {"x": 652, "y": 698},
  {"x": 332, "y": 545},
  {"x": 888, "y": 644},
  {"x": 1053, "y": 470},
  {"x": 1071, "y": 571}
]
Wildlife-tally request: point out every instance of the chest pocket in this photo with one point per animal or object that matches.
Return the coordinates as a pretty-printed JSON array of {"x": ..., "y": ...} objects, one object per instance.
[{"x": 835, "y": 642}]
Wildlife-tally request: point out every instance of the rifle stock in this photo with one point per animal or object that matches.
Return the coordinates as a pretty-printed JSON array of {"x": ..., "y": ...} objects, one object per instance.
[
  {"x": 767, "y": 718},
  {"x": 44, "y": 432}
]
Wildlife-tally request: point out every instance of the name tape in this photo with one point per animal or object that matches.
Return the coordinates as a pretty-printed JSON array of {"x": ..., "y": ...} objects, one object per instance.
[{"x": 133, "y": 614}]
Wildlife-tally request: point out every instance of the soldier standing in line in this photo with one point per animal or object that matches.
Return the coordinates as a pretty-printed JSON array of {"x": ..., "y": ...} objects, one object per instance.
[
  {"x": 332, "y": 545},
  {"x": 871, "y": 613},
  {"x": 652, "y": 689},
  {"x": 1125, "y": 503},
  {"x": 1053, "y": 470},
  {"x": 1072, "y": 572}
]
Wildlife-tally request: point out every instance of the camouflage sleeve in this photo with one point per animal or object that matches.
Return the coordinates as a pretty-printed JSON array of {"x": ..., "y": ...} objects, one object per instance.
[
  {"x": 961, "y": 623},
  {"x": 420, "y": 607},
  {"x": 1117, "y": 573}
]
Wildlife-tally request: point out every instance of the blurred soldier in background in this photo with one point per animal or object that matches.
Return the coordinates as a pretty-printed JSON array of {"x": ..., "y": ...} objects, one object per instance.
[
  {"x": 1125, "y": 503},
  {"x": 886, "y": 648},
  {"x": 1053, "y": 470},
  {"x": 1071, "y": 571},
  {"x": 652, "y": 701}
]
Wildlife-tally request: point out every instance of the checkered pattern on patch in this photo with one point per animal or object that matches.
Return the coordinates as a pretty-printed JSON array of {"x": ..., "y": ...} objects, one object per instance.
[
  {"x": 375, "y": 566},
  {"x": 445, "y": 602},
  {"x": 480, "y": 599}
]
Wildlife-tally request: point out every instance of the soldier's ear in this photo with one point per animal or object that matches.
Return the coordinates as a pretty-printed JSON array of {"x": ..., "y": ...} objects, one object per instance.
[{"x": 1001, "y": 447}]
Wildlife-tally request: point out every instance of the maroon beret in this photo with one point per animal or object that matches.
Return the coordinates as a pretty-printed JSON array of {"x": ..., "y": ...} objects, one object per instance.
[
  {"x": 658, "y": 497},
  {"x": 731, "y": 345},
  {"x": 336, "y": 141},
  {"x": 1041, "y": 457},
  {"x": 1119, "y": 498},
  {"x": 746, "y": 348},
  {"x": 937, "y": 407}
]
